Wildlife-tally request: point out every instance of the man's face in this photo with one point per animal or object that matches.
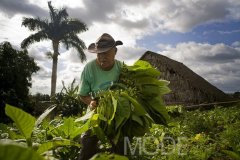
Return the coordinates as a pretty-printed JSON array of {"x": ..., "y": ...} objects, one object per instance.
[{"x": 106, "y": 59}]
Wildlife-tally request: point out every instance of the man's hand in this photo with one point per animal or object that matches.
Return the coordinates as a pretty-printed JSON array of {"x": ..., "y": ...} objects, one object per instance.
[
  {"x": 89, "y": 101},
  {"x": 93, "y": 104}
]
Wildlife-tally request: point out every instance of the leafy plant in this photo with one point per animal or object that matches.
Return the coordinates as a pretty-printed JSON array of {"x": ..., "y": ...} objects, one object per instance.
[
  {"x": 68, "y": 102},
  {"x": 105, "y": 156},
  {"x": 24, "y": 122},
  {"x": 27, "y": 125},
  {"x": 130, "y": 107},
  {"x": 233, "y": 154},
  {"x": 13, "y": 152}
]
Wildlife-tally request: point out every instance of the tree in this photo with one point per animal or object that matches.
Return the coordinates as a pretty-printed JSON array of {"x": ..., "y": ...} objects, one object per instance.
[
  {"x": 16, "y": 69},
  {"x": 60, "y": 29}
]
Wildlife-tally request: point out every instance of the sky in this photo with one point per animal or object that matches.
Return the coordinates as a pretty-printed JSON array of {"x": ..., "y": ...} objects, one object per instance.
[{"x": 202, "y": 34}]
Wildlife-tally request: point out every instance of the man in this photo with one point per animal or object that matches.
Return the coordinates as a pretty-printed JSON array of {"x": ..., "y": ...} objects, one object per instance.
[{"x": 98, "y": 75}]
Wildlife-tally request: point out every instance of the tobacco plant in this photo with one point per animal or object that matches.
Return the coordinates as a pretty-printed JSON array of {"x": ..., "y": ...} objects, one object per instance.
[{"x": 131, "y": 106}]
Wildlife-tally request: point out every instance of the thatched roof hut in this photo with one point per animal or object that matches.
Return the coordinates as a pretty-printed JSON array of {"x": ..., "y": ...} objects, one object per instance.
[{"x": 187, "y": 87}]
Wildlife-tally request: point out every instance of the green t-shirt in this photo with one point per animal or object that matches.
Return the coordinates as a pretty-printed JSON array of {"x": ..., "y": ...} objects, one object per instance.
[{"x": 94, "y": 79}]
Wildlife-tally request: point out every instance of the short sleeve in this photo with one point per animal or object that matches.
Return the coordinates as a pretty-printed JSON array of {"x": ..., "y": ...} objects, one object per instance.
[{"x": 84, "y": 85}]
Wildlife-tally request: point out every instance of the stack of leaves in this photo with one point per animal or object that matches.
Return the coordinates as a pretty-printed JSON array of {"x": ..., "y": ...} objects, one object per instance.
[{"x": 130, "y": 107}]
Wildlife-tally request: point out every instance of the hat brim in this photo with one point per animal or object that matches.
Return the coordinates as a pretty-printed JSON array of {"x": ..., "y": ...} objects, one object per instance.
[{"x": 93, "y": 49}]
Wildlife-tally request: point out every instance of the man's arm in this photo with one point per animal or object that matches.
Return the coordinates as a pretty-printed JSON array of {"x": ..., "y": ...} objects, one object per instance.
[{"x": 89, "y": 101}]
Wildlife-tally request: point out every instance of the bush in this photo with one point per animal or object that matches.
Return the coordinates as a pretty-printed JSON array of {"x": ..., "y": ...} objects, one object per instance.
[{"x": 68, "y": 102}]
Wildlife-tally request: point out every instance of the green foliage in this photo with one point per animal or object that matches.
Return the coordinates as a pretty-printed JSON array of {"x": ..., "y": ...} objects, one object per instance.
[
  {"x": 148, "y": 90},
  {"x": 105, "y": 156},
  {"x": 61, "y": 136},
  {"x": 24, "y": 121},
  {"x": 44, "y": 115},
  {"x": 67, "y": 101},
  {"x": 175, "y": 111},
  {"x": 68, "y": 129},
  {"x": 211, "y": 121},
  {"x": 131, "y": 106},
  {"x": 33, "y": 131},
  {"x": 16, "y": 68},
  {"x": 188, "y": 142},
  {"x": 13, "y": 152},
  {"x": 39, "y": 103},
  {"x": 54, "y": 144},
  {"x": 235, "y": 155},
  {"x": 57, "y": 138}
]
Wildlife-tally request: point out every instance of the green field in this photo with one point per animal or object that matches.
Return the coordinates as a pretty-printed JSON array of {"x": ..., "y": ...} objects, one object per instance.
[{"x": 197, "y": 134}]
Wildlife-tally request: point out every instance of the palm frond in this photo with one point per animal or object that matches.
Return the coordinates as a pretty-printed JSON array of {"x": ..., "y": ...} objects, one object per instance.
[
  {"x": 35, "y": 23},
  {"x": 52, "y": 11},
  {"x": 37, "y": 37},
  {"x": 74, "y": 38},
  {"x": 77, "y": 26},
  {"x": 57, "y": 15},
  {"x": 71, "y": 27},
  {"x": 62, "y": 15},
  {"x": 79, "y": 45}
]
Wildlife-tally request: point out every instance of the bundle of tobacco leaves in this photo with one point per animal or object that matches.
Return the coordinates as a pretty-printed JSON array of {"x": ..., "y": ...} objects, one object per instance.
[{"x": 131, "y": 106}]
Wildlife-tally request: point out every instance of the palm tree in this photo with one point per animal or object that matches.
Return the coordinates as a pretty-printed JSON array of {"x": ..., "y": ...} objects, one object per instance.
[{"x": 60, "y": 28}]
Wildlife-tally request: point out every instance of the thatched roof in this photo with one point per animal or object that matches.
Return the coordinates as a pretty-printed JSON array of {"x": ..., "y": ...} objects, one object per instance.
[{"x": 187, "y": 86}]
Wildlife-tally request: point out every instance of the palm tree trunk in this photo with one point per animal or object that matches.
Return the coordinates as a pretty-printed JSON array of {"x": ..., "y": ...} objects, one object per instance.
[{"x": 54, "y": 67}]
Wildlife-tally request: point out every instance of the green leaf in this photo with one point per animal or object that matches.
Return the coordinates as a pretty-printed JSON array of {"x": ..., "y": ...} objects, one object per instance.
[
  {"x": 143, "y": 68},
  {"x": 95, "y": 120},
  {"x": 116, "y": 137},
  {"x": 44, "y": 115},
  {"x": 67, "y": 127},
  {"x": 55, "y": 143},
  {"x": 140, "y": 65},
  {"x": 123, "y": 111},
  {"x": 101, "y": 117},
  {"x": 86, "y": 126},
  {"x": 11, "y": 134},
  {"x": 143, "y": 64},
  {"x": 151, "y": 90},
  {"x": 232, "y": 154},
  {"x": 137, "y": 119},
  {"x": 138, "y": 109},
  {"x": 151, "y": 80},
  {"x": 100, "y": 134},
  {"x": 80, "y": 130},
  {"x": 17, "y": 152},
  {"x": 13, "y": 142},
  {"x": 86, "y": 116},
  {"x": 24, "y": 121},
  {"x": 105, "y": 156},
  {"x": 114, "y": 102},
  {"x": 157, "y": 105}
]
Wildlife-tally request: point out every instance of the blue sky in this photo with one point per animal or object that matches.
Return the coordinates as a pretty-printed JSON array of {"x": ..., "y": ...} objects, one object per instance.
[
  {"x": 202, "y": 34},
  {"x": 216, "y": 32}
]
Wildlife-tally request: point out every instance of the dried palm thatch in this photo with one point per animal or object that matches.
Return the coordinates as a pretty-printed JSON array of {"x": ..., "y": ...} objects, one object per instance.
[{"x": 187, "y": 87}]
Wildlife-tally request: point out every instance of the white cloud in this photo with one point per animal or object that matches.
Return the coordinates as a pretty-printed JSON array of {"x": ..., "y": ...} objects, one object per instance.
[
  {"x": 219, "y": 63},
  {"x": 236, "y": 45},
  {"x": 128, "y": 21},
  {"x": 163, "y": 47},
  {"x": 11, "y": 29}
]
